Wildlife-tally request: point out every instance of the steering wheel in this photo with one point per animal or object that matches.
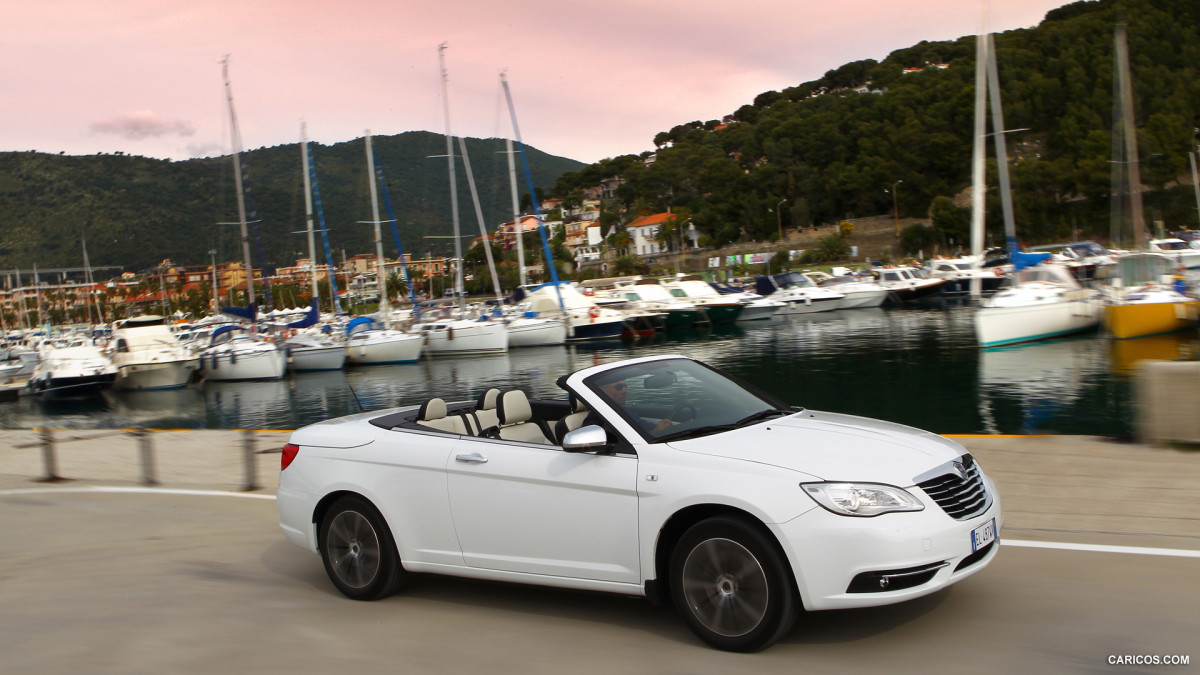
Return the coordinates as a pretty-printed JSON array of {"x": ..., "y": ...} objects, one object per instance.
[{"x": 682, "y": 409}]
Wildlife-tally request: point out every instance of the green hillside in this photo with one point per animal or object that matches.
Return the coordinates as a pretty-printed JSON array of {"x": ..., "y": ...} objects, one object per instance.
[
  {"x": 826, "y": 152},
  {"x": 136, "y": 211}
]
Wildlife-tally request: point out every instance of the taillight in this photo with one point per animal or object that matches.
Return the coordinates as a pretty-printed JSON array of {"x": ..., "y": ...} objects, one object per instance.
[{"x": 289, "y": 453}]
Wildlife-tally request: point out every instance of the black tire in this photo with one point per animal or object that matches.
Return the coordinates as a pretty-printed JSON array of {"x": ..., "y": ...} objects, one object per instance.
[
  {"x": 731, "y": 585},
  {"x": 358, "y": 551}
]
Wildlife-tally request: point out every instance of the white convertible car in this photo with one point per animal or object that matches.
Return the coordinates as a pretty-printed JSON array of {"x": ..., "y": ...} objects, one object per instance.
[{"x": 658, "y": 477}]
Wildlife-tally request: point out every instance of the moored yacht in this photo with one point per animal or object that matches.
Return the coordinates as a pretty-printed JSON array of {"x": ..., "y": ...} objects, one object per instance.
[
  {"x": 369, "y": 343},
  {"x": 1144, "y": 300},
  {"x": 1045, "y": 302},
  {"x": 798, "y": 293},
  {"x": 236, "y": 354},
  {"x": 907, "y": 284},
  {"x": 74, "y": 371},
  {"x": 586, "y": 320},
  {"x": 149, "y": 355}
]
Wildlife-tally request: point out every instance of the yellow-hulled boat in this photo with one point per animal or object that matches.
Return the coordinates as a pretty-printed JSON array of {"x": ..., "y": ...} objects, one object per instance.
[{"x": 1145, "y": 301}]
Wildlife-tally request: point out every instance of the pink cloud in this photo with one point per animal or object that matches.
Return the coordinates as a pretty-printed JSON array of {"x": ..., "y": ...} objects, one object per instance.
[{"x": 142, "y": 124}]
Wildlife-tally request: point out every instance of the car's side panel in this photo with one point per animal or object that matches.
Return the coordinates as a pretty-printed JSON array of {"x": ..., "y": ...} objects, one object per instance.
[
  {"x": 538, "y": 510},
  {"x": 403, "y": 475}
]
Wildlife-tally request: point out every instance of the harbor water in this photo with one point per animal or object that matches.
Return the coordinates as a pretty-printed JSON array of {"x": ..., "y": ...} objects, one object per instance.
[{"x": 916, "y": 366}]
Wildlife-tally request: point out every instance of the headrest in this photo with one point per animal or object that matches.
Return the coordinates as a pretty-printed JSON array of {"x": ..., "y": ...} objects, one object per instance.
[
  {"x": 513, "y": 407},
  {"x": 433, "y": 409},
  {"x": 577, "y": 404},
  {"x": 487, "y": 400}
]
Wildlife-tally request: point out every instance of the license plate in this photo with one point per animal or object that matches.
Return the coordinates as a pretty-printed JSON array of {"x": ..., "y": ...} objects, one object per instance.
[{"x": 983, "y": 535}]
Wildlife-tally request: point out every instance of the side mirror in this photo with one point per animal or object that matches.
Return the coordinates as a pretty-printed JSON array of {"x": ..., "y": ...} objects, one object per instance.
[{"x": 591, "y": 438}]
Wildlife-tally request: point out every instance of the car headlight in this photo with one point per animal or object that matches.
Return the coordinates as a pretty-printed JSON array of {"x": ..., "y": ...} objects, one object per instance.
[{"x": 861, "y": 499}]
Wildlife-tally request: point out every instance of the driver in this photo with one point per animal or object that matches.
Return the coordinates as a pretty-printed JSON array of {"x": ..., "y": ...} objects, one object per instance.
[{"x": 618, "y": 390}]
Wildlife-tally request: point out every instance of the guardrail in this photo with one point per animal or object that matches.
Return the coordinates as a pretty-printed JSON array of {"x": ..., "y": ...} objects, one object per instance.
[{"x": 49, "y": 440}]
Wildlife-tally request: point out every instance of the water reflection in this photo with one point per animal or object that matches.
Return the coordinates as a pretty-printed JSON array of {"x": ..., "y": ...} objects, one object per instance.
[
  {"x": 249, "y": 405},
  {"x": 1044, "y": 380},
  {"x": 1174, "y": 347}
]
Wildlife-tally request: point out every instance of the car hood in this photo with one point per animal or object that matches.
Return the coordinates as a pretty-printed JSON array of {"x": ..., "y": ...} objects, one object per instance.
[{"x": 832, "y": 446}]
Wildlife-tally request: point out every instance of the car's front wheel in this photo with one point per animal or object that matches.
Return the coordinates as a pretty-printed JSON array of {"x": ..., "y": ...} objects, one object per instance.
[
  {"x": 732, "y": 585},
  {"x": 357, "y": 549}
]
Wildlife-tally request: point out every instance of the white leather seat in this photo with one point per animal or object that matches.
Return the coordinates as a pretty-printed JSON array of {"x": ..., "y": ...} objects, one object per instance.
[
  {"x": 516, "y": 416},
  {"x": 485, "y": 409},
  {"x": 432, "y": 414}
]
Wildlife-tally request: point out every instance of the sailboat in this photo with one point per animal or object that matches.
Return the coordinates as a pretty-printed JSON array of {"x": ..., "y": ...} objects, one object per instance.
[
  {"x": 449, "y": 333},
  {"x": 1142, "y": 297},
  {"x": 527, "y": 327},
  {"x": 235, "y": 355},
  {"x": 372, "y": 342},
  {"x": 309, "y": 350},
  {"x": 1045, "y": 301}
]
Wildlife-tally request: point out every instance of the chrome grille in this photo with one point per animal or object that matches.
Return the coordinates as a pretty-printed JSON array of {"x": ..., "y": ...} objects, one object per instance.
[{"x": 957, "y": 487}]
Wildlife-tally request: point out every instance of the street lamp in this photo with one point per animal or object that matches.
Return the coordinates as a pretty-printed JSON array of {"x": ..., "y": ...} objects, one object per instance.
[
  {"x": 779, "y": 217},
  {"x": 896, "y": 206}
]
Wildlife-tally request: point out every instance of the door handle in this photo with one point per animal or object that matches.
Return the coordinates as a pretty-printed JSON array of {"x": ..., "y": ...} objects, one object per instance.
[{"x": 473, "y": 458}]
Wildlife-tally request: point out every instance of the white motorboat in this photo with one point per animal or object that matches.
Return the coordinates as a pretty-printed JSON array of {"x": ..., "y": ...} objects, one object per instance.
[
  {"x": 586, "y": 320},
  {"x": 1084, "y": 259},
  {"x": 1177, "y": 250},
  {"x": 369, "y": 343},
  {"x": 960, "y": 273},
  {"x": 798, "y": 293},
  {"x": 907, "y": 284},
  {"x": 1046, "y": 302},
  {"x": 714, "y": 307},
  {"x": 754, "y": 306},
  {"x": 309, "y": 351},
  {"x": 75, "y": 371},
  {"x": 235, "y": 354},
  {"x": 859, "y": 292},
  {"x": 149, "y": 355},
  {"x": 645, "y": 296}
]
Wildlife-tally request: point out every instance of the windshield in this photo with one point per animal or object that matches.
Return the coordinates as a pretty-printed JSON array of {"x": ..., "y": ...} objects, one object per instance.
[{"x": 680, "y": 398}]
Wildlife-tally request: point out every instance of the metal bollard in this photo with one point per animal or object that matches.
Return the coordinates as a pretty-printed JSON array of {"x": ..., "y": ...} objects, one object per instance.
[
  {"x": 251, "y": 462},
  {"x": 49, "y": 458},
  {"x": 146, "y": 451}
]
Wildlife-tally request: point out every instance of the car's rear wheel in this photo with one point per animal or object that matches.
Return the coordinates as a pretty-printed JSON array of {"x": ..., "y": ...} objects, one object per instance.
[
  {"x": 731, "y": 585},
  {"x": 357, "y": 549}
]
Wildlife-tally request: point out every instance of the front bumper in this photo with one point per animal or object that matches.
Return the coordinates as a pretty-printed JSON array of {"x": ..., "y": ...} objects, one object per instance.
[{"x": 838, "y": 560}]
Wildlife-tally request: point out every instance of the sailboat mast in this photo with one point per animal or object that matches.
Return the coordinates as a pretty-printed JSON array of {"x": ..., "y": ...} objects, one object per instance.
[
  {"x": 308, "y": 216},
  {"x": 979, "y": 154},
  {"x": 487, "y": 248},
  {"x": 380, "y": 264},
  {"x": 516, "y": 201},
  {"x": 1123, "y": 126},
  {"x": 458, "y": 276},
  {"x": 537, "y": 208},
  {"x": 998, "y": 132},
  {"x": 236, "y": 138}
]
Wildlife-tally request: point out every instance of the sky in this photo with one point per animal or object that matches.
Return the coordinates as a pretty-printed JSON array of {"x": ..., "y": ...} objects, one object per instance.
[{"x": 589, "y": 80}]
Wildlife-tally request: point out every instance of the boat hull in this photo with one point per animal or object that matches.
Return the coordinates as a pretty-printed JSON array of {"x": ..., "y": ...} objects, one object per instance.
[
  {"x": 809, "y": 306},
  {"x": 79, "y": 386},
  {"x": 383, "y": 347},
  {"x": 318, "y": 358},
  {"x": 150, "y": 375},
  {"x": 536, "y": 333},
  {"x": 257, "y": 364},
  {"x": 998, "y": 326},
  {"x": 1133, "y": 320},
  {"x": 466, "y": 337}
]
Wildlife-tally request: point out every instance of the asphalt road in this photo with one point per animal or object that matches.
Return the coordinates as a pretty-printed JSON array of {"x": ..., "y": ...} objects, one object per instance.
[{"x": 136, "y": 582}]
